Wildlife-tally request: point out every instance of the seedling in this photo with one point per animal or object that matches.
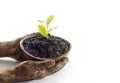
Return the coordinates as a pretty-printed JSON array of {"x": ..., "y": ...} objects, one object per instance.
[{"x": 45, "y": 30}]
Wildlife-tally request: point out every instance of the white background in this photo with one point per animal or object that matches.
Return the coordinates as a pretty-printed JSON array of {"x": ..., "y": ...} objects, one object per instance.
[{"x": 92, "y": 27}]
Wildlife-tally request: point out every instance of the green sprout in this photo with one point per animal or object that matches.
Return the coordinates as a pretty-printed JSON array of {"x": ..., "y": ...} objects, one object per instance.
[{"x": 44, "y": 30}]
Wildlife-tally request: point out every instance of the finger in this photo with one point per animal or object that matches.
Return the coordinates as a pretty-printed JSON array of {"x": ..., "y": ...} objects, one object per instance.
[{"x": 58, "y": 66}]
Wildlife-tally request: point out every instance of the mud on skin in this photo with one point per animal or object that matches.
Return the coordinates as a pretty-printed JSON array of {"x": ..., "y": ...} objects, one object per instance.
[{"x": 46, "y": 48}]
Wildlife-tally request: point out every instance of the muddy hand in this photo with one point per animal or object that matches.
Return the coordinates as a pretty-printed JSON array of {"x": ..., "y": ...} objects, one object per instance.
[
  {"x": 29, "y": 70},
  {"x": 12, "y": 48}
]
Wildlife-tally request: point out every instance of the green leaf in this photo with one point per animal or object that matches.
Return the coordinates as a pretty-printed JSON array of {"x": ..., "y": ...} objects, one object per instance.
[
  {"x": 49, "y": 19},
  {"x": 52, "y": 28},
  {"x": 41, "y": 21},
  {"x": 43, "y": 31}
]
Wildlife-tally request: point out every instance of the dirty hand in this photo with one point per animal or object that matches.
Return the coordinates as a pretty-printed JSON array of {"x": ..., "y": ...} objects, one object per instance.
[{"x": 30, "y": 70}]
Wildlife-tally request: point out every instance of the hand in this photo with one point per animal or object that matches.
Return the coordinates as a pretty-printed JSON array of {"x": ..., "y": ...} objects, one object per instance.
[{"x": 30, "y": 70}]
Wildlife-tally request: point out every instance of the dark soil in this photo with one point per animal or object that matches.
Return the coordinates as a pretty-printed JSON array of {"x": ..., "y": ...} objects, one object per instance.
[{"x": 46, "y": 48}]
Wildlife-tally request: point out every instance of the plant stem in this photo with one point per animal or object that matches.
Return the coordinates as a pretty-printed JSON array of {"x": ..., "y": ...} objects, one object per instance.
[
  {"x": 47, "y": 31},
  {"x": 47, "y": 28}
]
